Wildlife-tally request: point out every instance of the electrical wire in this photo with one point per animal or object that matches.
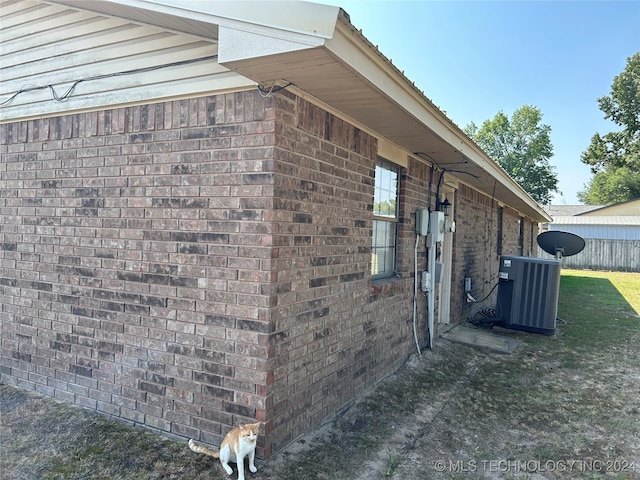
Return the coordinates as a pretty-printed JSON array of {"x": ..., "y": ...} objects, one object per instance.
[
  {"x": 489, "y": 226},
  {"x": 65, "y": 96},
  {"x": 264, "y": 92},
  {"x": 485, "y": 316},
  {"x": 433, "y": 167},
  {"x": 489, "y": 294}
]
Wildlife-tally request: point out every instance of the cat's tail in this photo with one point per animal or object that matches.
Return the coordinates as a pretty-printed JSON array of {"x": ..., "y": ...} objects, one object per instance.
[{"x": 202, "y": 449}]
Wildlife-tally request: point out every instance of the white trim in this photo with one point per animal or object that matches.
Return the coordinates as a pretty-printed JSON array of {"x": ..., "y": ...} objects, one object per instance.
[
  {"x": 239, "y": 44},
  {"x": 392, "y": 153}
]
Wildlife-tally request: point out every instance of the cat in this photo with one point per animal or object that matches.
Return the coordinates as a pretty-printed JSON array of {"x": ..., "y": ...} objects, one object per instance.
[{"x": 239, "y": 443}]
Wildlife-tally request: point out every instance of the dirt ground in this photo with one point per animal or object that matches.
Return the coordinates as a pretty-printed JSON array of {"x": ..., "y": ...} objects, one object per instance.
[
  {"x": 528, "y": 415},
  {"x": 566, "y": 406}
]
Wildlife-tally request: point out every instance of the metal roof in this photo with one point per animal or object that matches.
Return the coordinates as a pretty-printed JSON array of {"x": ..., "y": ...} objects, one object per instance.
[
  {"x": 597, "y": 220},
  {"x": 566, "y": 210}
]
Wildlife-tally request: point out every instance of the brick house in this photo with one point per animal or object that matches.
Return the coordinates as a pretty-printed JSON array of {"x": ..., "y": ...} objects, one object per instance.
[{"x": 208, "y": 212}]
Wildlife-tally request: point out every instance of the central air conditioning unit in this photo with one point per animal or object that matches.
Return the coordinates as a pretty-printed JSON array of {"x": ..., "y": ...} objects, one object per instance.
[{"x": 528, "y": 293}]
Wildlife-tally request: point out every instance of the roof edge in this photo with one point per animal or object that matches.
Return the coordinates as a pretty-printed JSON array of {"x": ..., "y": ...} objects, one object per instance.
[
  {"x": 452, "y": 133},
  {"x": 306, "y": 18}
]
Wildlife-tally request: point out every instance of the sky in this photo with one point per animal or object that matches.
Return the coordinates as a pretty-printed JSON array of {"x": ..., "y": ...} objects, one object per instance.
[{"x": 474, "y": 59}]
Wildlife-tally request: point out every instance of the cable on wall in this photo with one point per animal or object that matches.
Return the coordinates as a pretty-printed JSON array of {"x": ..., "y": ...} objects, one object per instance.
[
  {"x": 489, "y": 228},
  {"x": 266, "y": 92},
  {"x": 65, "y": 96}
]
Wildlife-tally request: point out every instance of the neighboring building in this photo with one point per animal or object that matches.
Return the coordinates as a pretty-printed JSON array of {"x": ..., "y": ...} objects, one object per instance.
[
  {"x": 611, "y": 234},
  {"x": 569, "y": 210},
  {"x": 207, "y": 212},
  {"x": 630, "y": 208}
]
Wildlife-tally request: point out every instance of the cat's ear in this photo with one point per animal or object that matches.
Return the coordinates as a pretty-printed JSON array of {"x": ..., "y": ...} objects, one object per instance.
[{"x": 251, "y": 426}]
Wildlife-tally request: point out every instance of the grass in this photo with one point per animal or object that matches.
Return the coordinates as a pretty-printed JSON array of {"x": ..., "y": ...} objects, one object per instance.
[
  {"x": 393, "y": 462},
  {"x": 574, "y": 396}
]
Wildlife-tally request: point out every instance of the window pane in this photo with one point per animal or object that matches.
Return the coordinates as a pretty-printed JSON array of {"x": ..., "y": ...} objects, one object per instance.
[
  {"x": 385, "y": 199},
  {"x": 384, "y": 249},
  {"x": 386, "y": 189}
]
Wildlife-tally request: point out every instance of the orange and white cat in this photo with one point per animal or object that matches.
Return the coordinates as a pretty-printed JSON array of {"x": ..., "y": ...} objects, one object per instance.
[{"x": 239, "y": 443}]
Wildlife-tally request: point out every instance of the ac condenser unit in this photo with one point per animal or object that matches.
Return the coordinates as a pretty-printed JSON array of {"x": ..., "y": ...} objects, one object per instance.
[{"x": 528, "y": 293}]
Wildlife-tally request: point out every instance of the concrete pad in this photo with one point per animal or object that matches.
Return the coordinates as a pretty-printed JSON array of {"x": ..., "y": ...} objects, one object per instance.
[{"x": 482, "y": 339}]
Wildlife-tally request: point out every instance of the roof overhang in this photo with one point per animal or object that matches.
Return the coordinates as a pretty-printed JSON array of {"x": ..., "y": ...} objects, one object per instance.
[{"x": 317, "y": 49}]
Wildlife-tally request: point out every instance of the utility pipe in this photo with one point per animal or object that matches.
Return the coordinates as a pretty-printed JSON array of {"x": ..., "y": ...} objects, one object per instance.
[{"x": 415, "y": 294}]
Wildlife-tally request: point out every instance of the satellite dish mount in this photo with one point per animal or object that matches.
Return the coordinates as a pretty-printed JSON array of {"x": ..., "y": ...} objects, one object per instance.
[{"x": 560, "y": 244}]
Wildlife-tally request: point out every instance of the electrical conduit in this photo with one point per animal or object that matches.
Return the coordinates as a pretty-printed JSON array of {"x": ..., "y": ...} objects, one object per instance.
[{"x": 415, "y": 294}]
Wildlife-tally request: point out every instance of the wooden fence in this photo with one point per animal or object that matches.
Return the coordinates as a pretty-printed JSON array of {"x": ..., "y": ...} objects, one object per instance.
[{"x": 608, "y": 255}]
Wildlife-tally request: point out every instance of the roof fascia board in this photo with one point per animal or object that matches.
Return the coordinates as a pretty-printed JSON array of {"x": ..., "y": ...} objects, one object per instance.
[
  {"x": 244, "y": 43},
  {"x": 139, "y": 15},
  {"x": 351, "y": 47},
  {"x": 291, "y": 19},
  {"x": 245, "y": 29},
  {"x": 305, "y": 18}
]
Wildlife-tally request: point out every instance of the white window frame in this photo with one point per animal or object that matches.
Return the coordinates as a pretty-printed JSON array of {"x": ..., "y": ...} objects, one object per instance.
[{"x": 384, "y": 239}]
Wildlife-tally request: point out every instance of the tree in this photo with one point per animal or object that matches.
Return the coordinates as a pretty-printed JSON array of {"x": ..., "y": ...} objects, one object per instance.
[
  {"x": 615, "y": 157},
  {"x": 521, "y": 145},
  {"x": 611, "y": 186}
]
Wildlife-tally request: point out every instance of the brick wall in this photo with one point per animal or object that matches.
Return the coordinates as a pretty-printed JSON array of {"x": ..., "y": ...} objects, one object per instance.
[
  {"x": 336, "y": 334},
  {"x": 475, "y": 251},
  {"x": 193, "y": 264},
  {"x": 188, "y": 265},
  {"x": 134, "y": 247}
]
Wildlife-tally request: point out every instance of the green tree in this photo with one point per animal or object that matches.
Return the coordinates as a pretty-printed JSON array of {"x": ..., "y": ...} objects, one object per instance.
[
  {"x": 615, "y": 156},
  {"x": 522, "y": 146},
  {"x": 611, "y": 186}
]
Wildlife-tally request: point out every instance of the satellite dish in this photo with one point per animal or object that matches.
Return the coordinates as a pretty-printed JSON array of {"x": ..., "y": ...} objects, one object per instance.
[{"x": 560, "y": 244}]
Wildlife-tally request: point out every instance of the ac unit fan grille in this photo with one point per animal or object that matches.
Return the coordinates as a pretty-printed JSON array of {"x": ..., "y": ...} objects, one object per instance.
[{"x": 528, "y": 300}]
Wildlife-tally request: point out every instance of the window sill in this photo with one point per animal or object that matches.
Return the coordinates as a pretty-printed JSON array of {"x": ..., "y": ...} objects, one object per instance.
[{"x": 386, "y": 285}]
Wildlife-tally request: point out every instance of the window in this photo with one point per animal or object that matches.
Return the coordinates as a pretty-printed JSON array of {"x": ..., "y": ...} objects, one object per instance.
[
  {"x": 499, "y": 239},
  {"x": 520, "y": 236},
  {"x": 531, "y": 237},
  {"x": 385, "y": 220}
]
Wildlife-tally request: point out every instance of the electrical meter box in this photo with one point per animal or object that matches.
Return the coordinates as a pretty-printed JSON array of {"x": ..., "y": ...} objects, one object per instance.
[
  {"x": 422, "y": 221},
  {"x": 436, "y": 226}
]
